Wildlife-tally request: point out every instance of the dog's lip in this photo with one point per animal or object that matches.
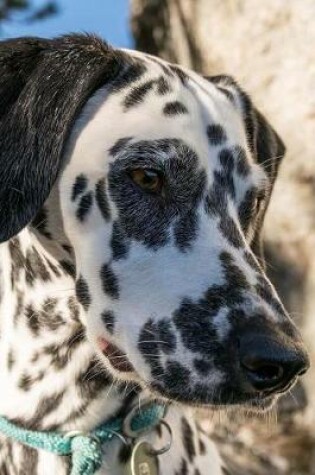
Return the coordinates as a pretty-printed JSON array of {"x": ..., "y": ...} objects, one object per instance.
[
  {"x": 258, "y": 403},
  {"x": 117, "y": 358}
]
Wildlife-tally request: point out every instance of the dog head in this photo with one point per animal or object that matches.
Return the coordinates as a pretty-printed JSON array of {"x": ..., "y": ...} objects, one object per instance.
[{"x": 163, "y": 179}]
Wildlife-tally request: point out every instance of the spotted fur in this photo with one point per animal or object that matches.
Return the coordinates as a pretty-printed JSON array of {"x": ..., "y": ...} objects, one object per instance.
[{"x": 110, "y": 294}]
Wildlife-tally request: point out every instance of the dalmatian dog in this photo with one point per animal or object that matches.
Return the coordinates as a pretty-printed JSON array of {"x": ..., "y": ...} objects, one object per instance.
[{"x": 132, "y": 195}]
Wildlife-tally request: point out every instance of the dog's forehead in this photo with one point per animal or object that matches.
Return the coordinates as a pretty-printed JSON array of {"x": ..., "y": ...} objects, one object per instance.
[{"x": 155, "y": 106}]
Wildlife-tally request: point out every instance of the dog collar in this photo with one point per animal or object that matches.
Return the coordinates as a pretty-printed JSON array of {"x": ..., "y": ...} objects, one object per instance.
[{"x": 86, "y": 448}]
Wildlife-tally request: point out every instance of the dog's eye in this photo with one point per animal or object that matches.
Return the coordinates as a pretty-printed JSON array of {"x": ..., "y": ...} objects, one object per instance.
[{"x": 149, "y": 180}]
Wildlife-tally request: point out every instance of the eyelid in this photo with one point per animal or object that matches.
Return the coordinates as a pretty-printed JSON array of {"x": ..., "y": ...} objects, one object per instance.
[{"x": 145, "y": 167}]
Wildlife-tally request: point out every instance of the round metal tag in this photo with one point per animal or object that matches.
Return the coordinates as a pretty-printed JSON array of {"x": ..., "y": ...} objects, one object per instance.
[{"x": 142, "y": 461}]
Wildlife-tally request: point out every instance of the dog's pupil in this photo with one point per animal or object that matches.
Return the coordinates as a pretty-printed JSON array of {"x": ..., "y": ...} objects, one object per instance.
[{"x": 147, "y": 179}]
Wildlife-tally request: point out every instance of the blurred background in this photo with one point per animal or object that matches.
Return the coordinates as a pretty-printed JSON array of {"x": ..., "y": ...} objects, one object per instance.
[{"x": 269, "y": 47}]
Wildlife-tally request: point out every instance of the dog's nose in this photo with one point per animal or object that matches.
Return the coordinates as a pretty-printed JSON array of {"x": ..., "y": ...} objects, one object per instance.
[{"x": 269, "y": 365}]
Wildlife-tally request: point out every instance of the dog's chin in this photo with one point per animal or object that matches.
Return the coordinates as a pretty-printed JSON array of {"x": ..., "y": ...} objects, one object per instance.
[
  {"x": 208, "y": 400},
  {"x": 201, "y": 397}
]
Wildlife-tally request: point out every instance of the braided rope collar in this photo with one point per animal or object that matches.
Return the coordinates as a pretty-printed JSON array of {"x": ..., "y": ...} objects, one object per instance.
[{"x": 86, "y": 449}]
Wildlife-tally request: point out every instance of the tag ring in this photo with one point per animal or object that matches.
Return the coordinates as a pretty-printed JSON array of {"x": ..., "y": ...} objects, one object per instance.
[
  {"x": 167, "y": 446},
  {"x": 121, "y": 437}
]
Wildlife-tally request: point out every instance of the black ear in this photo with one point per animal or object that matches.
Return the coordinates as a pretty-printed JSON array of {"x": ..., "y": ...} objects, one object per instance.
[
  {"x": 264, "y": 142},
  {"x": 268, "y": 149},
  {"x": 43, "y": 86}
]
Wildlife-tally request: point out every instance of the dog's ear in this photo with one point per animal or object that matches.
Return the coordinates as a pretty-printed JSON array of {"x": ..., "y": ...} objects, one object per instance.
[
  {"x": 43, "y": 86},
  {"x": 268, "y": 149},
  {"x": 265, "y": 144}
]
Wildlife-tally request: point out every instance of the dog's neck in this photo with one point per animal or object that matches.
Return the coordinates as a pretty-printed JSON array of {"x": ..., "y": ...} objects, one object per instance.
[{"x": 49, "y": 375}]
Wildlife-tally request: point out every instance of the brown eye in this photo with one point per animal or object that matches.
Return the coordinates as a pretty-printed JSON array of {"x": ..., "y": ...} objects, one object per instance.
[{"x": 149, "y": 180}]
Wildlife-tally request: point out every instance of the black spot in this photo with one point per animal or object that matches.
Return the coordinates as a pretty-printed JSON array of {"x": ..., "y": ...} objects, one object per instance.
[
  {"x": 193, "y": 320},
  {"x": 109, "y": 281},
  {"x": 45, "y": 407},
  {"x": 145, "y": 217},
  {"x": 61, "y": 354},
  {"x": 246, "y": 209},
  {"x": 19, "y": 310},
  {"x": 26, "y": 381},
  {"x": 224, "y": 181},
  {"x": 166, "y": 336},
  {"x": 32, "y": 318},
  {"x": 68, "y": 267},
  {"x": 188, "y": 440},
  {"x": 137, "y": 94},
  {"x": 149, "y": 347},
  {"x": 164, "y": 66},
  {"x": 183, "y": 470},
  {"x": 242, "y": 165},
  {"x": 40, "y": 223},
  {"x": 202, "y": 447},
  {"x": 73, "y": 309},
  {"x": 91, "y": 381},
  {"x": 174, "y": 108},
  {"x": 175, "y": 378},
  {"x": 222, "y": 82},
  {"x": 29, "y": 461},
  {"x": 180, "y": 74},
  {"x": 134, "y": 72},
  {"x": 11, "y": 360},
  {"x": 108, "y": 319},
  {"x": 119, "y": 243},
  {"x": 82, "y": 292},
  {"x": 67, "y": 248},
  {"x": 229, "y": 230},
  {"x": 84, "y": 206},
  {"x": 186, "y": 230},
  {"x": 35, "y": 267},
  {"x": 79, "y": 186},
  {"x": 233, "y": 274},
  {"x": 226, "y": 159},
  {"x": 53, "y": 267},
  {"x": 216, "y": 201},
  {"x": 101, "y": 199},
  {"x": 216, "y": 134},
  {"x": 228, "y": 94},
  {"x": 49, "y": 317},
  {"x": 17, "y": 260},
  {"x": 35, "y": 357},
  {"x": 163, "y": 87},
  {"x": 119, "y": 146},
  {"x": 203, "y": 366}
]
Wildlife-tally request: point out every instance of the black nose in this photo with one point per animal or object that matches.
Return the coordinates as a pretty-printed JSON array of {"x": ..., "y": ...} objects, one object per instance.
[{"x": 271, "y": 365}]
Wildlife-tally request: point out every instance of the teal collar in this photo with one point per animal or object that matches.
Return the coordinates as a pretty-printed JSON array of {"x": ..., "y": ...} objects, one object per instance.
[{"x": 85, "y": 449}]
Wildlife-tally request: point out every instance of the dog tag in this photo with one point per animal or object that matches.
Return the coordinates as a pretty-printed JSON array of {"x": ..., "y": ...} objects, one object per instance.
[{"x": 142, "y": 462}]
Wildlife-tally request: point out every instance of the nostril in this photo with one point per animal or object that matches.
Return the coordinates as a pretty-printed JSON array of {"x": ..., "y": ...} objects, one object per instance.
[{"x": 263, "y": 371}]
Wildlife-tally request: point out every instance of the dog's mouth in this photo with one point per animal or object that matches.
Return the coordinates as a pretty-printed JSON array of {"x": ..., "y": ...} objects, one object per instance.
[{"x": 119, "y": 362}]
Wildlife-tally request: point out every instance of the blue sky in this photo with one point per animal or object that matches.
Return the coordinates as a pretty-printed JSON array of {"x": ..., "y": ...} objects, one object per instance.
[{"x": 108, "y": 18}]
